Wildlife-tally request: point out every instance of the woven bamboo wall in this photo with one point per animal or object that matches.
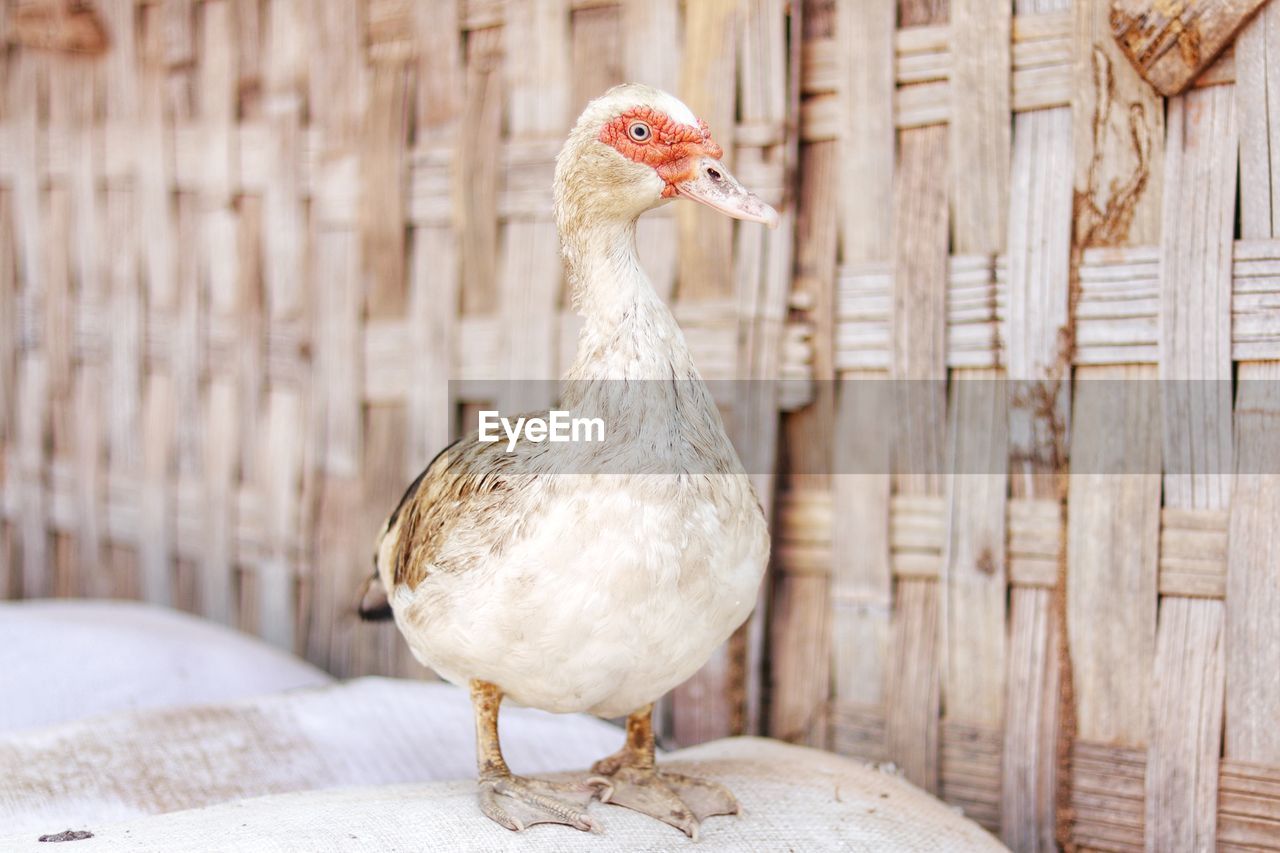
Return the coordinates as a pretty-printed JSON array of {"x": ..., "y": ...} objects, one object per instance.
[
  {"x": 1093, "y": 656},
  {"x": 245, "y": 245}
]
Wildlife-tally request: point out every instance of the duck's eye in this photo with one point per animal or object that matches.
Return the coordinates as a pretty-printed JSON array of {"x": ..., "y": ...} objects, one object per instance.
[{"x": 639, "y": 131}]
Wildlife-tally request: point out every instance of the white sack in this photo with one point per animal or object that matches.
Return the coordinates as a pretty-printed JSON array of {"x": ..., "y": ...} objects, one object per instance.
[
  {"x": 793, "y": 799},
  {"x": 65, "y": 660},
  {"x": 371, "y": 731}
]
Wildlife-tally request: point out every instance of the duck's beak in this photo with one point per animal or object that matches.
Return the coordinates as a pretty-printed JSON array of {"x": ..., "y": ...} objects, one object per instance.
[{"x": 714, "y": 186}]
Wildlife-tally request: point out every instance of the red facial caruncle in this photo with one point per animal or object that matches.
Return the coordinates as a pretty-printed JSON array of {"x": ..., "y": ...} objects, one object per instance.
[{"x": 650, "y": 136}]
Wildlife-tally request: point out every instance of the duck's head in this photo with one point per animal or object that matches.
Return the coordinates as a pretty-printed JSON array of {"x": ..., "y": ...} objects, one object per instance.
[{"x": 636, "y": 147}]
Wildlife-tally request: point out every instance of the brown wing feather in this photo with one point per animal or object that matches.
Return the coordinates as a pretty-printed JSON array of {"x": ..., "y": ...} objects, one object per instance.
[{"x": 463, "y": 485}]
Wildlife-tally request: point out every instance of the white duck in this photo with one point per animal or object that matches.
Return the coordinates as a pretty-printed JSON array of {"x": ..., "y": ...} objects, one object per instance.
[{"x": 536, "y": 576}]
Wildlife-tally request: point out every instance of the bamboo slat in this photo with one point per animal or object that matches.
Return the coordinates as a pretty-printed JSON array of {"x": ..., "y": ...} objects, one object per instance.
[
  {"x": 762, "y": 266},
  {"x": 1195, "y": 344},
  {"x": 862, "y": 585},
  {"x": 1037, "y": 331},
  {"x": 1111, "y": 579},
  {"x": 973, "y": 591},
  {"x": 801, "y": 638},
  {"x": 1258, "y": 114},
  {"x": 706, "y": 706},
  {"x": 918, "y": 323},
  {"x": 1252, "y": 696}
]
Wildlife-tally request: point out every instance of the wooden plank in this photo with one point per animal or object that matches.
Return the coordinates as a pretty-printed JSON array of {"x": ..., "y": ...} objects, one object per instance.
[
  {"x": 1112, "y": 537},
  {"x": 25, "y": 83},
  {"x": 1118, "y": 127},
  {"x": 1195, "y": 307},
  {"x": 707, "y": 77},
  {"x": 598, "y": 55},
  {"x": 1253, "y": 571},
  {"x": 802, "y": 596},
  {"x": 530, "y": 272},
  {"x": 277, "y": 469},
  {"x": 703, "y": 707},
  {"x": 477, "y": 194},
  {"x": 973, "y": 630},
  {"x": 184, "y": 343},
  {"x": 280, "y": 475},
  {"x": 919, "y": 356},
  {"x": 911, "y": 731},
  {"x": 979, "y": 143},
  {"x": 10, "y": 573},
  {"x": 1252, "y": 601},
  {"x": 1036, "y": 333},
  {"x": 1172, "y": 43},
  {"x": 919, "y": 315},
  {"x": 1258, "y": 113},
  {"x": 434, "y": 282},
  {"x": 1110, "y": 586},
  {"x": 77, "y": 435},
  {"x": 155, "y": 544},
  {"x": 342, "y": 554},
  {"x": 219, "y": 261},
  {"x": 382, "y": 208},
  {"x": 801, "y": 629},
  {"x": 153, "y": 165},
  {"x": 1038, "y": 322},
  {"x": 1196, "y": 328},
  {"x": 123, "y": 360},
  {"x": 1186, "y": 726},
  {"x": 763, "y": 274},
  {"x": 358, "y": 241},
  {"x": 249, "y": 334},
  {"x": 866, "y": 33},
  {"x": 1029, "y": 770},
  {"x": 1195, "y": 361},
  {"x": 862, "y": 584},
  {"x": 861, "y": 579}
]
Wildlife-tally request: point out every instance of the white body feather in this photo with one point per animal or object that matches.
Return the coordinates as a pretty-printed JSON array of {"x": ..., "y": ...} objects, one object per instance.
[{"x": 615, "y": 596}]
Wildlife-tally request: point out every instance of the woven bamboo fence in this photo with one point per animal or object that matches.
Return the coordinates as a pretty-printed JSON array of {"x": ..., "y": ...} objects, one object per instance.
[{"x": 245, "y": 244}]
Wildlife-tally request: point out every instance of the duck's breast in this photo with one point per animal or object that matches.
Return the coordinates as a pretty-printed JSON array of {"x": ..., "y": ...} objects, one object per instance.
[{"x": 620, "y": 589}]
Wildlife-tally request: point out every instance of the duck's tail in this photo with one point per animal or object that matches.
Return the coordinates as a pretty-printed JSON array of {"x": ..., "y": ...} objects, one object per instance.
[{"x": 373, "y": 604}]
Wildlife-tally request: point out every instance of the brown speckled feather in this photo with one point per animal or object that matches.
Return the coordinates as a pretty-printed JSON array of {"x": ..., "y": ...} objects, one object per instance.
[{"x": 469, "y": 483}]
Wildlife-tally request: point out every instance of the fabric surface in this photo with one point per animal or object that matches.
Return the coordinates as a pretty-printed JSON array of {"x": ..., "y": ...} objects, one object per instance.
[
  {"x": 793, "y": 798},
  {"x": 65, "y": 659},
  {"x": 371, "y": 731}
]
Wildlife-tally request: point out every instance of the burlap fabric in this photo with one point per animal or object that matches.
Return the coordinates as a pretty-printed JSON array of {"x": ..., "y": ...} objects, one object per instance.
[
  {"x": 371, "y": 731},
  {"x": 66, "y": 660},
  {"x": 142, "y": 726},
  {"x": 793, "y": 799}
]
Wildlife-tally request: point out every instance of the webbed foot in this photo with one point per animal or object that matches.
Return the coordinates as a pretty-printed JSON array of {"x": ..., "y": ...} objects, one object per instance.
[
  {"x": 673, "y": 798},
  {"x": 516, "y": 802}
]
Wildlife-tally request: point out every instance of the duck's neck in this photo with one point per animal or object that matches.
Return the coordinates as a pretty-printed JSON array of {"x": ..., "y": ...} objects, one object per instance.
[{"x": 629, "y": 332}]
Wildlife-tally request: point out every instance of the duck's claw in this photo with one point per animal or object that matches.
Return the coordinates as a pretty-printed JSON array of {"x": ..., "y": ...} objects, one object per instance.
[
  {"x": 516, "y": 802},
  {"x": 681, "y": 801}
]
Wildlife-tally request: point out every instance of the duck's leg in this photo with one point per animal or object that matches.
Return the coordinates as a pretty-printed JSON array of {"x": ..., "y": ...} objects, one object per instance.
[
  {"x": 513, "y": 801},
  {"x": 630, "y": 778}
]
